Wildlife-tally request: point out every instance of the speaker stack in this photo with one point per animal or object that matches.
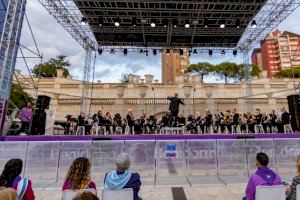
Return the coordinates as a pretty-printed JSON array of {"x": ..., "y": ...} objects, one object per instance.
[
  {"x": 294, "y": 110},
  {"x": 39, "y": 116}
]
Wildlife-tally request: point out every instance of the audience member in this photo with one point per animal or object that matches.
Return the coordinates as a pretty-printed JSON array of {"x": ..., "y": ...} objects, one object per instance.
[
  {"x": 122, "y": 177},
  {"x": 8, "y": 194},
  {"x": 263, "y": 176},
  {"x": 295, "y": 182},
  {"x": 79, "y": 175},
  {"x": 25, "y": 117},
  {"x": 10, "y": 177},
  {"x": 85, "y": 195}
]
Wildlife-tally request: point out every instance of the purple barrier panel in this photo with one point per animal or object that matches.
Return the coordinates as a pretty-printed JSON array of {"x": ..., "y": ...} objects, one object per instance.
[
  {"x": 232, "y": 162},
  {"x": 104, "y": 157},
  {"x": 42, "y": 163},
  {"x": 142, "y": 159},
  {"x": 287, "y": 151},
  {"x": 171, "y": 162},
  {"x": 10, "y": 150}
]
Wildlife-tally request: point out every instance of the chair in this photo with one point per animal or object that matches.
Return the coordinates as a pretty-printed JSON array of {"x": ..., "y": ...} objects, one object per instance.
[
  {"x": 80, "y": 130},
  {"x": 258, "y": 128},
  {"x": 124, "y": 194},
  {"x": 95, "y": 129},
  {"x": 70, "y": 194},
  {"x": 287, "y": 128},
  {"x": 298, "y": 192},
  {"x": 276, "y": 192}
]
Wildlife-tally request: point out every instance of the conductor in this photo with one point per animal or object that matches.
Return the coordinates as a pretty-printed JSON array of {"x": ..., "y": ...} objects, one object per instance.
[{"x": 174, "y": 108}]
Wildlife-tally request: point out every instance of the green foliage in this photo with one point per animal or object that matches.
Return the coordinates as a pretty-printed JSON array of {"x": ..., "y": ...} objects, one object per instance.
[
  {"x": 124, "y": 78},
  {"x": 255, "y": 70},
  {"x": 227, "y": 69},
  {"x": 201, "y": 68},
  {"x": 288, "y": 73},
  {"x": 19, "y": 97},
  {"x": 48, "y": 69}
]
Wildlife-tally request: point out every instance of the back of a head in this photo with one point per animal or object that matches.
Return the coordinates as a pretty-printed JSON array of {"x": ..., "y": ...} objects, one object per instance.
[
  {"x": 85, "y": 195},
  {"x": 262, "y": 158},
  {"x": 12, "y": 169},
  {"x": 8, "y": 194},
  {"x": 123, "y": 162}
]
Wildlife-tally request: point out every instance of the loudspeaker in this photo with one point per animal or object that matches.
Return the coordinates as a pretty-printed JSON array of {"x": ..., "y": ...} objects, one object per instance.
[
  {"x": 38, "y": 123},
  {"x": 42, "y": 103},
  {"x": 294, "y": 110}
]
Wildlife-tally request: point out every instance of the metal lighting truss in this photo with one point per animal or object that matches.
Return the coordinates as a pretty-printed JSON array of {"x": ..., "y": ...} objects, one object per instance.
[
  {"x": 86, "y": 76},
  {"x": 10, "y": 35}
]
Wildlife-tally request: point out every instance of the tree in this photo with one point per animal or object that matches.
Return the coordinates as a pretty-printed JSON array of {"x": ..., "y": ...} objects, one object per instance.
[
  {"x": 124, "y": 78},
  {"x": 227, "y": 69},
  {"x": 48, "y": 69},
  {"x": 201, "y": 68},
  {"x": 19, "y": 97},
  {"x": 288, "y": 73},
  {"x": 241, "y": 76}
]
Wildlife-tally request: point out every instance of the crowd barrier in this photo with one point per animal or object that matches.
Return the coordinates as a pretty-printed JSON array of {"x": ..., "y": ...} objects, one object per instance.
[{"x": 192, "y": 162}]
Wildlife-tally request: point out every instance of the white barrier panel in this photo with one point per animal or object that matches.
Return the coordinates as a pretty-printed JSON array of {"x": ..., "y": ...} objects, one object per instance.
[
  {"x": 104, "y": 156},
  {"x": 142, "y": 159},
  {"x": 171, "y": 162},
  {"x": 232, "y": 163},
  {"x": 287, "y": 151},
  {"x": 69, "y": 151},
  {"x": 10, "y": 150},
  {"x": 254, "y": 146}
]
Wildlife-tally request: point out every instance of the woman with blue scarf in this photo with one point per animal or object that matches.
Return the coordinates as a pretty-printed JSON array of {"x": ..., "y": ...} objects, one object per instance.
[{"x": 122, "y": 177}]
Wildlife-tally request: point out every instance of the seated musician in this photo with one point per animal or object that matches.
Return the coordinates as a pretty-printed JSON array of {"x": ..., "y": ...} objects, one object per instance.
[
  {"x": 244, "y": 122},
  {"x": 273, "y": 119},
  {"x": 118, "y": 122},
  {"x": 108, "y": 122},
  {"x": 207, "y": 120},
  {"x": 142, "y": 122},
  {"x": 191, "y": 124},
  {"x": 255, "y": 120},
  {"x": 83, "y": 122},
  {"x": 164, "y": 122},
  {"x": 151, "y": 124},
  {"x": 228, "y": 120},
  {"x": 235, "y": 119},
  {"x": 101, "y": 118},
  {"x": 130, "y": 121},
  {"x": 285, "y": 119},
  {"x": 181, "y": 121},
  {"x": 265, "y": 122}
]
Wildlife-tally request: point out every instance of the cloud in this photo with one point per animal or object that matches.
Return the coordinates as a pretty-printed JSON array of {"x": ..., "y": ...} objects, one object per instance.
[{"x": 103, "y": 73}]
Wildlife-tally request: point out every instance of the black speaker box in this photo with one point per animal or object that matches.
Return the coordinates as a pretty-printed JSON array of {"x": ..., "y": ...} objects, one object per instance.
[
  {"x": 38, "y": 123},
  {"x": 42, "y": 103},
  {"x": 294, "y": 110}
]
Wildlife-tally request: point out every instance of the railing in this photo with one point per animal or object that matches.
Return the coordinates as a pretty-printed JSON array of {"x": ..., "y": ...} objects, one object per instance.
[{"x": 192, "y": 162}]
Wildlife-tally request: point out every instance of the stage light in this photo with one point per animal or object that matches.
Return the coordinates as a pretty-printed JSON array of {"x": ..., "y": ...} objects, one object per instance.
[
  {"x": 238, "y": 23},
  {"x": 83, "y": 21},
  {"x": 100, "y": 51},
  {"x": 187, "y": 23},
  {"x": 195, "y": 52},
  {"x": 168, "y": 52},
  {"x": 222, "y": 25},
  {"x": 100, "y": 21},
  {"x": 154, "y": 51},
  {"x": 165, "y": 22},
  {"x": 112, "y": 51},
  {"x": 141, "y": 51},
  {"x": 134, "y": 22},
  {"x": 125, "y": 51},
  {"x": 223, "y": 52},
  {"x": 234, "y": 52},
  {"x": 175, "y": 23},
  {"x": 210, "y": 53},
  {"x": 117, "y": 22},
  {"x": 181, "y": 52},
  {"x": 253, "y": 24},
  {"x": 206, "y": 23},
  {"x": 152, "y": 24}
]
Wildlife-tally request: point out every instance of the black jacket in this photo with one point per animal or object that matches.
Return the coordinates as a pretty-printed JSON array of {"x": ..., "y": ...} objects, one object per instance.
[
  {"x": 285, "y": 117},
  {"x": 174, "y": 104}
]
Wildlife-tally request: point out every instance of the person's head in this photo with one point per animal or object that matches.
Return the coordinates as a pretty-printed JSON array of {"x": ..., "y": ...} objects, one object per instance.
[
  {"x": 207, "y": 111},
  {"x": 234, "y": 110},
  {"x": 282, "y": 109},
  {"x": 81, "y": 113},
  {"x": 176, "y": 95},
  {"x": 272, "y": 111},
  {"x": 298, "y": 165},
  {"x": 12, "y": 169},
  {"x": 129, "y": 111},
  {"x": 108, "y": 114},
  {"x": 262, "y": 160},
  {"x": 85, "y": 195},
  {"x": 123, "y": 162},
  {"x": 99, "y": 112},
  {"x": 8, "y": 193},
  {"x": 257, "y": 111},
  {"x": 79, "y": 172}
]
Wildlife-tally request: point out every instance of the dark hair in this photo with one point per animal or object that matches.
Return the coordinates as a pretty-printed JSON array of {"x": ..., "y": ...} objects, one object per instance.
[
  {"x": 85, "y": 195},
  {"x": 12, "y": 169},
  {"x": 262, "y": 158}
]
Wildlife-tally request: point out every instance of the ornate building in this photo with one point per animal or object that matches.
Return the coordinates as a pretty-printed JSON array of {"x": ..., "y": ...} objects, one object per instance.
[{"x": 151, "y": 97}]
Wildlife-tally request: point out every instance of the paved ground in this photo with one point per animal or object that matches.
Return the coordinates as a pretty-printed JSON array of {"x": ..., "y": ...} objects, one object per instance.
[{"x": 150, "y": 193}]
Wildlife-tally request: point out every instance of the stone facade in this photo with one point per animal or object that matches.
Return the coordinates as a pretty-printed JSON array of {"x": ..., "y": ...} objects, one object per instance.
[{"x": 151, "y": 97}]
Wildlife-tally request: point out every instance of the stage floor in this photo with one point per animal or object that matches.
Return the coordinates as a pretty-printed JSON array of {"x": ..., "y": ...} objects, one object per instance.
[{"x": 147, "y": 137}]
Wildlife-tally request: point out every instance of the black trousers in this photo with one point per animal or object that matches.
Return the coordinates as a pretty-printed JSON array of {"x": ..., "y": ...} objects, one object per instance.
[
  {"x": 173, "y": 117},
  {"x": 24, "y": 127}
]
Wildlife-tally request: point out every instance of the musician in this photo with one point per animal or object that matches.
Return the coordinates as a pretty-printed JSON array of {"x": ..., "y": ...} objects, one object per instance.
[
  {"x": 101, "y": 118},
  {"x": 82, "y": 121},
  {"x": 265, "y": 122},
  {"x": 255, "y": 120},
  {"x": 228, "y": 120},
  {"x": 191, "y": 124},
  {"x": 108, "y": 121},
  {"x": 151, "y": 124},
  {"x": 207, "y": 120},
  {"x": 142, "y": 121},
  {"x": 130, "y": 121},
  {"x": 235, "y": 117},
  {"x": 285, "y": 119},
  {"x": 244, "y": 122},
  {"x": 181, "y": 121},
  {"x": 164, "y": 122},
  {"x": 174, "y": 108},
  {"x": 273, "y": 118}
]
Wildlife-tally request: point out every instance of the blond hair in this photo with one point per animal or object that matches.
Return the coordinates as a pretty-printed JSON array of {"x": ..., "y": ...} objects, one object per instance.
[{"x": 8, "y": 194}]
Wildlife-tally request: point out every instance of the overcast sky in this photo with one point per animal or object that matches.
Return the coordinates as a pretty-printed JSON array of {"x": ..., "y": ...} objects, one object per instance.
[{"x": 52, "y": 39}]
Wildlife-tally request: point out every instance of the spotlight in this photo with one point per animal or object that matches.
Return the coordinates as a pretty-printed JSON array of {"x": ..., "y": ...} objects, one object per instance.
[
  {"x": 238, "y": 23},
  {"x": 117, "y": 22},
  {"x": 83, "y": 21},
  {"x": 175, "y": 23},
  {"x": 141, "y": 51},
  {"x": 168, "y": 52},
  {"x": 253, "y": 24},
  {"x": 206, "y": 23},
  {"x": 125, "y": 51},
  {"x": 165, "y": 22},
  {"x": 100, "y": 51},
  {"x": 152, "y": 24},
  {"x": 210, "y": 53},
  {"x": 112, "y": 51},
  {"x": 195, "y": 52},
  {"x": 234, "y": 52},
  {"x": 100, "y": 21},
  {"x": 223, "y": 52},
  {"x": 181, "y": 52},
  {"x": 134, "y": 22},
  {"x": 222, "y": 25},
  {"x": 187, "y": 23},
  {"x": 154, "y": 52}
]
